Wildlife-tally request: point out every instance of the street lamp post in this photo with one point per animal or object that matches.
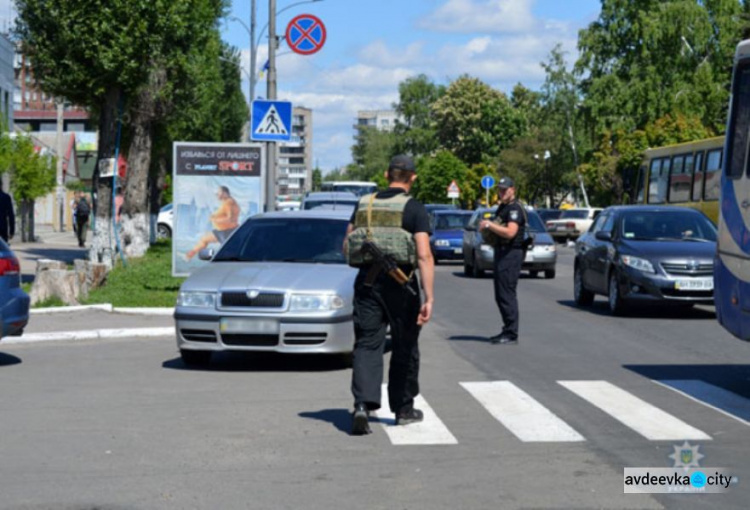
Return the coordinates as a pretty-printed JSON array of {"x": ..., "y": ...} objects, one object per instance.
[{"x": 547, "y": 157}]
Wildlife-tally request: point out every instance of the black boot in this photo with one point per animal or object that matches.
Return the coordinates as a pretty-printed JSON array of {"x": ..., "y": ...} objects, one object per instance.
[{"x": 360, "y": 420}]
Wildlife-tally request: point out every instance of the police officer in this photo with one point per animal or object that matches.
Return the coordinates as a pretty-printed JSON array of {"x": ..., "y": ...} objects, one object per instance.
[
  {"x": 508, "y": 258},
  {"x": 379, "y": 300}
]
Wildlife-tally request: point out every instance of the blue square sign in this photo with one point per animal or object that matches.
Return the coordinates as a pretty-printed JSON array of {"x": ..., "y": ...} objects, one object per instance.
[{"x": 272, "y": 121}]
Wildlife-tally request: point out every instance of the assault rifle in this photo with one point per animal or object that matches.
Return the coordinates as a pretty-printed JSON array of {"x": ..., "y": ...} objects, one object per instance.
[{"x": 384, "y": 262}]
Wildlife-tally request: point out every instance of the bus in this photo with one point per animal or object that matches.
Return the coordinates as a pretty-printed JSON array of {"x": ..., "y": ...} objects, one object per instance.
[
  {"x": 359, "y": 188},
  {"x": 732, "y": 262},
  {"x": 686, "y": 174}
]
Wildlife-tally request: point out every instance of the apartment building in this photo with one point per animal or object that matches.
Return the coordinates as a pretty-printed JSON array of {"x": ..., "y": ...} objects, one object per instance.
[{"x": 295, "y": 158}]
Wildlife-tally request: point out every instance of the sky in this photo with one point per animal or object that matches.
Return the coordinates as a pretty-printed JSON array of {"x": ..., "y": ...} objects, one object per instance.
[{"x": 373, "y": 45}]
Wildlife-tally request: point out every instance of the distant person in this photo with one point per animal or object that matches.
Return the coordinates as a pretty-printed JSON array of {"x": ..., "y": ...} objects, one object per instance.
[
  {"x": 83, "y": 211},
  {"x": 73, "y": 205},
  {"x": 224, "y": 221},
  {"x": 7, "y": 217}
]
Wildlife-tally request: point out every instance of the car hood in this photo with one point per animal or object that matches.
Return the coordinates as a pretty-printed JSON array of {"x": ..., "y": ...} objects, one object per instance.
[
  {"x": 670, "y": 249},
  {"x": 278, "y": 276}
]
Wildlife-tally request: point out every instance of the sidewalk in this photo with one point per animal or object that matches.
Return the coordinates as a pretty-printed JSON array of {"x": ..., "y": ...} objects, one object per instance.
[{"x": 50, "y": 245}]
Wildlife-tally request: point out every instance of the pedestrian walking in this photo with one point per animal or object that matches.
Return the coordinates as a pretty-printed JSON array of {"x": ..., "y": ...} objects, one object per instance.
[
  {"x": 508, "y": 230},
  {"x": 388, "y": 239},
  {"x": 83, "y": 211},
  {"x": 7, "y": 216}
]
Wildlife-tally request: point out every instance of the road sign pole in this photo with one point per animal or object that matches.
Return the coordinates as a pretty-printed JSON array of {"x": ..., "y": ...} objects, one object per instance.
[
  {"x": 271, "y": 95},
  {"x": 487, "y": 196}
]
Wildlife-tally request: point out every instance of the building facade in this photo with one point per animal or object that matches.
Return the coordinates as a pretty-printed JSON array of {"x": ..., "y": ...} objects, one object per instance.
[
  {"x": 295, "y": 158},
  {"x": 7, "y": 51},
  {"x": 383, "y": 120}
]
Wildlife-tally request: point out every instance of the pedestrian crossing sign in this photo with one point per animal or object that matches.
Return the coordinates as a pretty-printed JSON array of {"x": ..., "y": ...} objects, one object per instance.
[{"x": 271, "y": 121}]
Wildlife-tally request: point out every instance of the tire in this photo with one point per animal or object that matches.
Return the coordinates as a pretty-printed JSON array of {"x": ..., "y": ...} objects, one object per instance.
[
  {"x": 468, "y": 270},
  {"x": 581, "y": 295},
  {"x": 533, "y": 274},
  {"x": 163, "y": 232},
  {"x": 195, "y": 358},
  {"x": 614, "y": 298},
  {"x": 549, "y": 274},
  {"x": 475, "y": 271}
]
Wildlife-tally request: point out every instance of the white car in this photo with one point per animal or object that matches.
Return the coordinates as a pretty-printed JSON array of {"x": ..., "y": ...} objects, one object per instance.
[
  {"x": 164, "y": 222},
  {"x": 572, "y": 223}
]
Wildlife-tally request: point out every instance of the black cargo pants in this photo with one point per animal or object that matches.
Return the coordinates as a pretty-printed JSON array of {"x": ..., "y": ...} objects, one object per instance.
[
  {"x": 375, "y": 307},
  {"x": 507, "y": 269}
]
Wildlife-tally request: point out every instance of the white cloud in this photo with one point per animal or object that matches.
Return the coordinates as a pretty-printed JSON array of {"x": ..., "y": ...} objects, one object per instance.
[
  {"x": 377, "y": 53},
  {"x": 486, "y": 16}
]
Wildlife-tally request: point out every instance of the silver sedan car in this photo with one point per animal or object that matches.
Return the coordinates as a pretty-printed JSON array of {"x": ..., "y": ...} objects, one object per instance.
[{"x": 280, "y": 283}]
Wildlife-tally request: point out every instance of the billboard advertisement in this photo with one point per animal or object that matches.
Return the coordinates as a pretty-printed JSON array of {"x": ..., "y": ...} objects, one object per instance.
[{"x": 216, "y": 187}]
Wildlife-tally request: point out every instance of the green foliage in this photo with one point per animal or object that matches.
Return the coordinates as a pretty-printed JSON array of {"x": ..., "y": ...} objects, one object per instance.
[
  {"x": 435, "y": 175},
  {"x": 415, "y": 132},
  {"x": 32, "y": 174},
  {"x": 317, "y": 179},
  {"x": 145, "y": 282},
  {"x": 50, "y": 302},
  {"x": 474, "y": 121},
  {"x": 372, "y": 152}
]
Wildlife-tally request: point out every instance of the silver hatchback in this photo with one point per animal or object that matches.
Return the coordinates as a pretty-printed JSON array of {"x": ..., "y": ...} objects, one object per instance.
[{"x": 280, "y": 283}]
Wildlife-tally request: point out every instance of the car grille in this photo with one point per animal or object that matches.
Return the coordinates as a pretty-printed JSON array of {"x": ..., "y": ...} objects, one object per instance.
[
  {"x": 198, "y": 335},
  {"x": 305, "y": 338},
  {"x": 262, "y": 300},
  {"x": 247, "y": 340},
  {"x": 685, "y": 269}
]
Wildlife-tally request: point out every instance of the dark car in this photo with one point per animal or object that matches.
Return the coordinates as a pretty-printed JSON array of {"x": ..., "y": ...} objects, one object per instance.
[
  {"x": 646, "y": 253},
  {"x": 14, "y": 302},
  {"x": 549, "y": 214},
  {"x": 447, "y": 236}
]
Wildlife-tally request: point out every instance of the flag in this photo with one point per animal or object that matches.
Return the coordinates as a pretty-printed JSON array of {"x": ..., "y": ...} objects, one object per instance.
[{"x": 264, "y": 69}]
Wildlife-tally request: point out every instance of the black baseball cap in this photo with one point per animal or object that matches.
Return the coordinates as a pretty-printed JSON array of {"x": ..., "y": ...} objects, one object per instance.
[
  {"x": 505, "y": 182},
  {"x": 402, "y": 162}
]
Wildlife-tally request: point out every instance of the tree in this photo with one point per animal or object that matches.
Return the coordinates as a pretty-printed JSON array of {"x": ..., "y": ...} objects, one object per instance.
[
  {"x": 317, "y": 179},
  {"x": 371, "y": 152},
  {"x": 415, "y": 132},
  {"x": 474, "y": 121},
  {"x": 122, "y": 59},
  {"x": 435, "y": 174},
  {"x": 32, "y": 176}
]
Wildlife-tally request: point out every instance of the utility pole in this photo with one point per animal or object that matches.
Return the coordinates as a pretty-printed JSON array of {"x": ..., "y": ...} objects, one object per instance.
[
  {"x": 60, "y": 149},
  {"x": 271, "y": 95},
  {"x": 253, "y": 63}
]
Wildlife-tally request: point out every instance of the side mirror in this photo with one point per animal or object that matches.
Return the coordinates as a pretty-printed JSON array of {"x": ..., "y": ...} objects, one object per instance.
[
  {"x": 206, "y": 254},
  {"x": 604, "y": 236}
]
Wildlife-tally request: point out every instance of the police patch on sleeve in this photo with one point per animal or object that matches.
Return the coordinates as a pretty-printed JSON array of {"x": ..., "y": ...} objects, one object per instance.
[{"x": 514, "y": 215}]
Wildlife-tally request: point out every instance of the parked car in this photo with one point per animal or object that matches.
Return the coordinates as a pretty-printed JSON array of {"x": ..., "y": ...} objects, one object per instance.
[
  {"x": 478, "y": 257},
  {"x": 572, "y": 223},
  {"x": 330, "y": 200},
  {"x": 14, "y": 302},
  {"x": 439, "y": 207},
  {"x": 165, "y": 222},
  {"x": 446, "y": 240},
  {"x": 646, "y": 253},
  {"x": 548, "y": 214},
  {"x": 288, "y": 205},
  {"x": 280, "y": 283}
]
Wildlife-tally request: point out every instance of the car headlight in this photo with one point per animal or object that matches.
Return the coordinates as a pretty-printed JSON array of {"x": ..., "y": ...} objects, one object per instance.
[
  {"x": 638, "y": 263},
  {"x": 442, "y": 242},
  {"x": 197, "y": 299},
  {"x": 487, "y": 248},
  {"x": 315, "y": 302}
]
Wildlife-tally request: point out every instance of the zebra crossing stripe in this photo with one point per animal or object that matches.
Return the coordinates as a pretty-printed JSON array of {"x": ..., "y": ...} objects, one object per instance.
[
  {"x": 646, "y": 419},
  {"x": 526, "y": 418},
  {"x": 714, "y": 397},
  {"x": 431, "y": 431}
]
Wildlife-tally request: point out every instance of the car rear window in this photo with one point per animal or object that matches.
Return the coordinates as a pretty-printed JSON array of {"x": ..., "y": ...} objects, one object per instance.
[
  {"x": 328, "y": 204},
  {"x": 295, "y": 239},
  {"x": 574, "y": 214}
]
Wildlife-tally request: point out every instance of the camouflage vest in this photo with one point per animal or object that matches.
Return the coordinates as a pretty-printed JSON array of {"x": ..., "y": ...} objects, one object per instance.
[{"x": 380, "y": 220}]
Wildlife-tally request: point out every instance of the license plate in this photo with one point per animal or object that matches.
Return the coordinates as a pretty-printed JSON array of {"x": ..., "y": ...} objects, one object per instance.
[
  {"x": 694, "y": 284},
  {"x": 458, "y": 251},
  {"x": 237, "y": 325}
]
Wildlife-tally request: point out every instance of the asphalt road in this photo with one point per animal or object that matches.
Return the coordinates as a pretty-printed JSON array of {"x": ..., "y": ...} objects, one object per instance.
[{"x": 122, "y": 424}]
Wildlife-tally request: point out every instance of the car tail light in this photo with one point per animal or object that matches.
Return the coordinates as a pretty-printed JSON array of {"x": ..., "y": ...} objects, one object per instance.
[
  {"x": 549, "y": 224},
  {"x": 570, "y": 224},
  {"x": 9, "y": 266}
]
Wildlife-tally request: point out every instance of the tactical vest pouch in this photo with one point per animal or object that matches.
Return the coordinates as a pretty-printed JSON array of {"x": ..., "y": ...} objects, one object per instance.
[
  {"x": 382, "y": 226},
  {"x": 492, "y": 239}
]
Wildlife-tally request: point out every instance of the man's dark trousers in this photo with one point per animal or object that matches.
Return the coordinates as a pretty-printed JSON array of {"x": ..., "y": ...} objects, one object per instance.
[
  {"x": 507, "y": 267},
  {"x": 385, "y": 302}
]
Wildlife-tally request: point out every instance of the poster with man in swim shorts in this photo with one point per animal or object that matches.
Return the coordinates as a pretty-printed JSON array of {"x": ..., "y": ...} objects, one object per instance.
[{"x": 216, "y": 187}]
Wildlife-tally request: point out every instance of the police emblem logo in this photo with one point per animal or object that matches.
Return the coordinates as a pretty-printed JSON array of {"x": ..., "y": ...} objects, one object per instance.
[
  {"x": 686, "y": 456},
  {"x": 514, "y": 215}
]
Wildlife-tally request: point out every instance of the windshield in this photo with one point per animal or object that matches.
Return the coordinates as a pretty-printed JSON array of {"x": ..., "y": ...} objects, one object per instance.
[
  {"x": 451, "y": 221},
  {"x": 535, "y": 223},
  {"x": 667, "y": 226},
  {"x": 574, "y": 214},
  {"x": 287, "y": 240}
]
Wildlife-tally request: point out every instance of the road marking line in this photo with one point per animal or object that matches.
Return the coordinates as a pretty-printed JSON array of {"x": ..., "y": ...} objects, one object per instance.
[
  {"x": 431, "y": 431},
  {"x": 646, "y": 419},
  {"x": 525, "y": 417},
  {"x": 714, "y": 397}
]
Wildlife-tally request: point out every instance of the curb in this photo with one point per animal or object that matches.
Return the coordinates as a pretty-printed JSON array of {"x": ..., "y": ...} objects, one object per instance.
[
  {"x": 96, "y": 334},
  {"x": 107, "y": 307}
]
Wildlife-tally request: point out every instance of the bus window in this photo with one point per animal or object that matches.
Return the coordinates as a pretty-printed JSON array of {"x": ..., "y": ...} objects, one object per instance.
[
  {"x": 698, "y": 180},
  {"x": 679, "y": 180},
  {"x": 737, "y": 147},
  {"x": 713, "y": 165},
  {"x": 658, "y": 180}
]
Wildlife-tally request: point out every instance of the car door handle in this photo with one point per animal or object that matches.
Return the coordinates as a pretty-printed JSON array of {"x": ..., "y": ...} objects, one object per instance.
[{"x": 745, "y": 204}]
